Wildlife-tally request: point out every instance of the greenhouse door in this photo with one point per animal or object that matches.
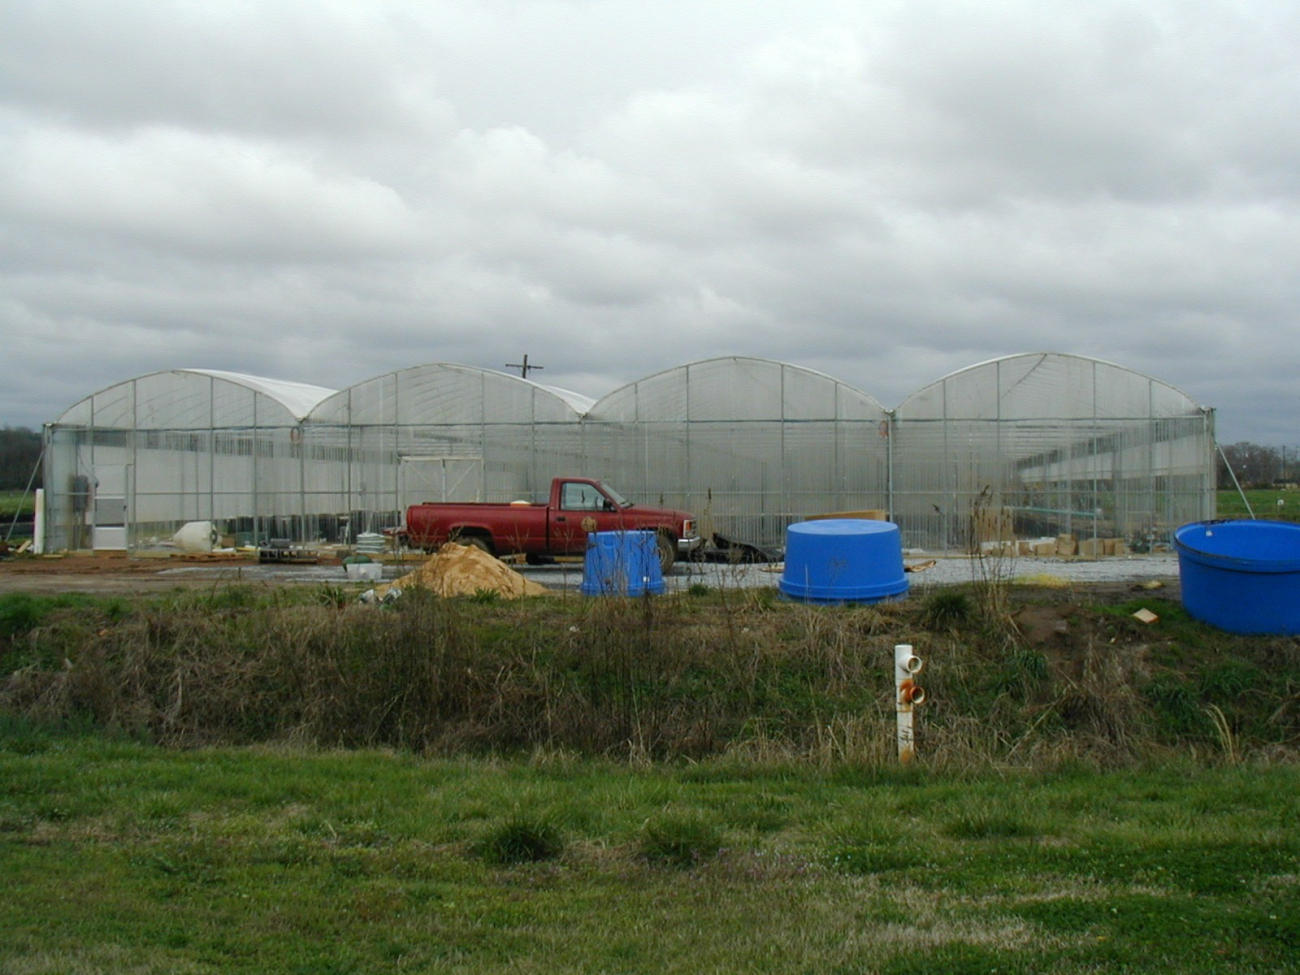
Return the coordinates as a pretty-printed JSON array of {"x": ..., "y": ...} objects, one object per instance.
[
  {"x": 108, "y": 531},
  {"x": 439, "y": 479}
]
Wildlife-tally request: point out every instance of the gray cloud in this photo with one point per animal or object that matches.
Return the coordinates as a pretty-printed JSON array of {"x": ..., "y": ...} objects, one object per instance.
[{"x": 885, "y": 193}]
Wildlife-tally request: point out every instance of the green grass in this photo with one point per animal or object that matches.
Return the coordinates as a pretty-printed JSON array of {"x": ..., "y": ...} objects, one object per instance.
[
  {"x": 19, "y": 503},
  {"x": 708, "y": 675},
  {"x": 1263, "y": 502},
  {"x": 124, "y": 857}
]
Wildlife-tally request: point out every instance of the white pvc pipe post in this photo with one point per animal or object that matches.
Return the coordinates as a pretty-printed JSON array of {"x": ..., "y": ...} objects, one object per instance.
[
  {"x": 906, "y": 693},
  {"x": 38, "y": 524}
]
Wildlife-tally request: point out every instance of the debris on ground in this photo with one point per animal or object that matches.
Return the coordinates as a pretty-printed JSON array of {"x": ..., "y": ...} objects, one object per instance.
[
  {"x": 464, "y": 570},
  {"x": 733, "y": 552},
  {"x": 1044, "y": 579},
  {"x": 279, "y": 551},
  {"x": 1145, "y": 615}
]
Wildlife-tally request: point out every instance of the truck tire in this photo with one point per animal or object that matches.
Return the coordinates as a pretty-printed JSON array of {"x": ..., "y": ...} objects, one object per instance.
[
  {"x": 667, "y": 552},
  {"x": 481, "y": 542}
]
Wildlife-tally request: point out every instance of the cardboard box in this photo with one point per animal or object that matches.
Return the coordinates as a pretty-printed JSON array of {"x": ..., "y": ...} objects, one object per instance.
[
  {"x": 994, "y": 525},
  {"x": 1092, "y": 548}
]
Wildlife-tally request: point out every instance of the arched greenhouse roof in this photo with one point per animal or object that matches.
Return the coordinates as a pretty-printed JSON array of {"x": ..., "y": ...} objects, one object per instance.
[
  {"x": 195, "y": 399},
  {"x": 736, "y": 388},
  {"x": 298, "y": 398},
  {"x": 445, "y": 393},
  {"x": 1046, "y": 385}
]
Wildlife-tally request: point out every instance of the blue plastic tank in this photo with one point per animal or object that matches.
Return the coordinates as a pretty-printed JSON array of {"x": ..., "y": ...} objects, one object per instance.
[
  {"x": 1241, "y": 576},
  {"x": 622, "y": 563},
  {"x": 843, "y": 560}
]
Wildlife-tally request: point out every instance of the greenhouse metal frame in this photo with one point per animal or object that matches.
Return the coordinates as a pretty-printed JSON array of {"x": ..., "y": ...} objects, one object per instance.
[{"x": 1041, "y": 444}]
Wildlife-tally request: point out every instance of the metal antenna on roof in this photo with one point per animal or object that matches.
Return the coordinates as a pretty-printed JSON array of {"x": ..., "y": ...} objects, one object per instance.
[{"x": 523, "y": 367}]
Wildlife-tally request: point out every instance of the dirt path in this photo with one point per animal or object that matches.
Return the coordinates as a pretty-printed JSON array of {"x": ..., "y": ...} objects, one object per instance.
[{"x": 109, "y": 574}]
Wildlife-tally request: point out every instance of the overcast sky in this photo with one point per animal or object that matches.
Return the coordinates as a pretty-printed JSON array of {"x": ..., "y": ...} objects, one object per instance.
[{"x": 328, "y": 190}]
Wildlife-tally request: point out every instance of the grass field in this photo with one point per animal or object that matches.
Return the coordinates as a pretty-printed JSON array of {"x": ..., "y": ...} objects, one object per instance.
[
  {"x": 16, "y": 503},
  {"x": 1263, "y": 502},
  {"x": 704, "y": 783},
  {"x": 122, "y": 857}
]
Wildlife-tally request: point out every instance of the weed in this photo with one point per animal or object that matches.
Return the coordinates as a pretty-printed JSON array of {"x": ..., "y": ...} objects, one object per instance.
[
  {"x": 1022, "y": 674},
  {"x": 679, "y": 840},
  {"x": 335, "y": 597},
  {"x": 983, "y": 823},
  {"x": 1176, "y": 707},
  {"x": 1228, "y": 680},
  {"x": 1223, "y": 731},
  {"x": 19, "y": 613},
  {"x": 521, "y": 839},
  {"x": 640, "y": 679},
  {"x": 994, "y": 559},
  {"x": 947, "y": 609}
]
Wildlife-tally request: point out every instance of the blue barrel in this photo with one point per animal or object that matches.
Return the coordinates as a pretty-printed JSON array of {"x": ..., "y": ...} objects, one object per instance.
[
  {"x": 1241, "y": 576},
  {"x": 843, "y": 560},
  {"x": 624, "y": 563}
]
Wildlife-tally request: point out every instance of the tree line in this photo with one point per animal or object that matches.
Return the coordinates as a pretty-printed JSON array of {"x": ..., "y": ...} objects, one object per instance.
[
  {"x": 20, "y": 449},
  {"x": 1258, "y": 466}
]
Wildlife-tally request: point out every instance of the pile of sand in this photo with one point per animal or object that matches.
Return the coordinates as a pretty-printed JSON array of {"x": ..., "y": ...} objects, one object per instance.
[{"x": 463, "y": 570}]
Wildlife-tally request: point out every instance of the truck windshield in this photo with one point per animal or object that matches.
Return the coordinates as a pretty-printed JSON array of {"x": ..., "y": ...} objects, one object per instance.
[{"x": 617, "y": 498}]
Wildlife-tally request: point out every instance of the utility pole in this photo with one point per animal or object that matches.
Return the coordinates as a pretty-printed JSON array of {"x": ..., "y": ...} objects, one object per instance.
[{"x": 523, "y": 367}]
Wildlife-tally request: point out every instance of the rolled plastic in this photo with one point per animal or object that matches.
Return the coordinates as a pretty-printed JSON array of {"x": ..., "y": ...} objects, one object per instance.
[{"x": 196, "y": 536}]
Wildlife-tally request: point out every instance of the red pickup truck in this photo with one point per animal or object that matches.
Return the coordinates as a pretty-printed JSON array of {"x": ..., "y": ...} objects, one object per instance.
[{"x": 578, "y": 505}]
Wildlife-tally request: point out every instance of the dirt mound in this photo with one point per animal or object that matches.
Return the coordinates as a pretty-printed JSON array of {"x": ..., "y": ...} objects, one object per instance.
[{"x": 463, "y": 570}]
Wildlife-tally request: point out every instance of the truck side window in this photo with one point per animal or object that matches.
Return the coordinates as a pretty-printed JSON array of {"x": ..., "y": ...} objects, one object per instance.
[{"x": 581, "y": 497}]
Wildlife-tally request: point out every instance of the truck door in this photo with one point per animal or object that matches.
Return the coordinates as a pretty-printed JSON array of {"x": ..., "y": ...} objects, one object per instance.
[{"x": 582, "y": 509}]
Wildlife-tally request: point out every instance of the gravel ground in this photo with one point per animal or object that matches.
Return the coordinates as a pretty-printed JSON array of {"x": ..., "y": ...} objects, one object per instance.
[
  {"x": 953, "y": 570},
  {"x": 946, "y": 570}
]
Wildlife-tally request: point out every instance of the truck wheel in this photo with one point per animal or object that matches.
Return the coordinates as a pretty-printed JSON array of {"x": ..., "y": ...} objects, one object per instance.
[
  {"x": 667, "y": 552},
  {"x": 477, "y": 541}
]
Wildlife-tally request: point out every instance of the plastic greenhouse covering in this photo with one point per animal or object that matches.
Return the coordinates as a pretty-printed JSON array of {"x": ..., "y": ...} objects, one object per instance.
[{"x": 1026, "y": 446}]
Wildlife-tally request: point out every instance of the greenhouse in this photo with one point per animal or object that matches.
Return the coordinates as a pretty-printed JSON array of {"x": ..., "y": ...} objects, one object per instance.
[
  {"x": 1025, "y": 447},
  {"x": 749, "y": 445},
  {"x": 134, "y": 462},
  {"x": 436, "y": 432},
  {"x": 1042, "y": 446}
]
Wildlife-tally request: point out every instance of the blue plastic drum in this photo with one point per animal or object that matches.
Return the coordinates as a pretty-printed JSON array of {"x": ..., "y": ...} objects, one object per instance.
[
  {"x": 622, "y": 564},
  {"x": 843, "y": 560}
]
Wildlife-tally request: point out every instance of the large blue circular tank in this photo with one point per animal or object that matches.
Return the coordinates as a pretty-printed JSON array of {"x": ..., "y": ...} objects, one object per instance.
[
  {"x": 843, "y": 560},
  {"x": 1241, "y": 576}
]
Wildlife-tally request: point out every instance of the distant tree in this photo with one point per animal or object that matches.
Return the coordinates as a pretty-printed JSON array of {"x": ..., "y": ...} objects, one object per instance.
[
  {"x": 1255, "y": 465},
  {"x": 20, "y": 449}
]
